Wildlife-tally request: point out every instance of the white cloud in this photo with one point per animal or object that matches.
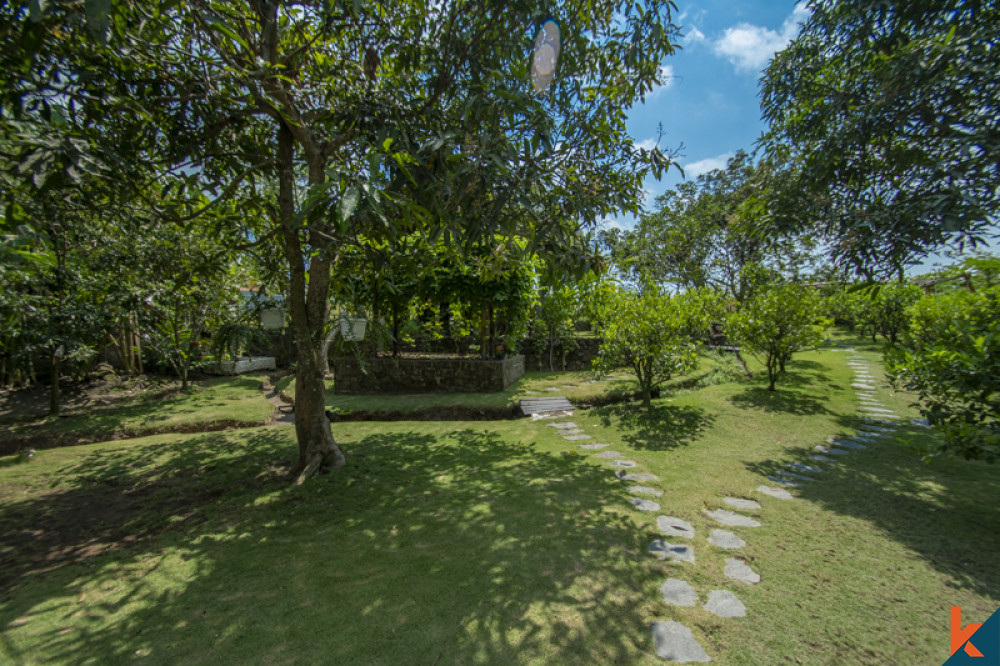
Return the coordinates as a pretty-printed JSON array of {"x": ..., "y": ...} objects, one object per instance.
[
  {"x": 666, "y": 80},
  {"x": 648, "y": 144},
  {"x": 749, "y": 47},
  {"x": 693, "y": 36},
  {"x": 695, "y": 169}
]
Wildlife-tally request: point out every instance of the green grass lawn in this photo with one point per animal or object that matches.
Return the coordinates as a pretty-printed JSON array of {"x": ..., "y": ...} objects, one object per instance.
[
  {"x": 495, "y": 542},
  {"x": 232, "y": 400},
  {"x": 577, "y": 387}
]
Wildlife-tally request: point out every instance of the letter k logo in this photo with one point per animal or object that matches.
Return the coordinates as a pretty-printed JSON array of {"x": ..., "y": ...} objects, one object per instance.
[{"x": 959, "y": 636}]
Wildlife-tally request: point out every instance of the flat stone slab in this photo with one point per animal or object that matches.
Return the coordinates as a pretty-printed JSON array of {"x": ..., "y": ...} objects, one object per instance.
[
  {"x": 675, "y": 527},
  {"x": 610, "y": 455},
  {"x": 738, "y": 570},
  {"x": 831, "y": 451},
  {"x": 677, "y": 592},
  {"x": 775, "y": 492},
  {"x": 645, "y": 490},
  {"x": 793, "y": 475},
  {"x": 571, "y": 432},
  {"x": 805, "y": 468},
  {"x": 623, "y": 463},
  {"x": 593, "y": 447},
  {"x": 725, "y": 604},
  {"x": 820, "y": 458},
  {"x": 883, "y": 422},
  {"x": 644, "y": 504},
  {"x": 863, "y": 386},
  {"x": 636, "y": 476},
  {"x": 674, "y": 642},
  {"x": 784, "y": 482},
  {"x": 664, "y": 550},
  {"x": 577, "y": 438},
  {"x": 849, "y": 444},
  {"x": 563, "y": 425},
  {"x": 554, "y": 390},
  {"x": 731, "y": 519},
  {"x": 876, "y": 429},
  {"x": 727, "y": 540},
  {"x": 741, "y": 504},
  {"x": 554, "y": 407}
]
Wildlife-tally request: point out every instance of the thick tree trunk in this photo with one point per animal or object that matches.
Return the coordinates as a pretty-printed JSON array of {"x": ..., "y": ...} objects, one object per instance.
[{"x": 309, "y": 309}]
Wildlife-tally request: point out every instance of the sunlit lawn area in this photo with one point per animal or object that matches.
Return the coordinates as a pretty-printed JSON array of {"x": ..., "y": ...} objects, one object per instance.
[{"x": 495, "y": 542}]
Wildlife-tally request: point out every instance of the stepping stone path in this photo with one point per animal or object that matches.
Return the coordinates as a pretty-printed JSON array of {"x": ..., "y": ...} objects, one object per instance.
[
  {"x": 671, "y": 526},
  {"x": 644, "y": 504},
  {"x": 793, "y": 475},
  {"x": 536, "y": 407},
  {"x": 563, "y": 425},
  {"x": 668, "y": 551},
  {"x": 777, "y": 493},
  {"x": 641, "y": 476},
  {"x": 832, "y": 452},
  {"x": 742, "y": 504},
  {"x": 820, "y": 458},
  {"x": 725, "y": 604},
  {"x": 738, "y": 570},
  {"x": 849, "y": 444},
  {"x": 623, "y": 463},
  {"x": 784, "y": 482},
  {"x": 724, "y": 539},
  {"x": 805, "y": 468},
  {"x": 674, "y": 642},
  {"x": 731, "y": 519},
  {"x": 645, "y": 490},
  {"x": 677, "y": 592},
  {"x": 571, "y": 432},
  {"x": 593, "y": 447},
  {"x": 609, "y": 455}
]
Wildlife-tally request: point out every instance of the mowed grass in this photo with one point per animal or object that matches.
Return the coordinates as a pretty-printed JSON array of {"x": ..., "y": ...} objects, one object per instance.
[
  {"x": 234, "y": 400},
  {"x": 578, "y": 387},
  {"x": 496, "y": 542}
]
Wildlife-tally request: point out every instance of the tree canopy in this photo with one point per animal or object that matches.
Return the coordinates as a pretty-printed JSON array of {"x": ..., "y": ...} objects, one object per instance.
[{"x": 887, "y": 118}]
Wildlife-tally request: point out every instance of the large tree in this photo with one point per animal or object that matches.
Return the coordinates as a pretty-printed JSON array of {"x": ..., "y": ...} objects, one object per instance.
[
  {"x": 366, "y": 118},
  {"x": 888, "y": 117}
]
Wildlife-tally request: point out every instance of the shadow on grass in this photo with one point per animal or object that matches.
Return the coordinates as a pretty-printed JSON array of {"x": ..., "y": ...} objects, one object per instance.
[
  {"x": 944, "y": 511},
  {"x": 782, "y": 400},
  {"x": 463, "y": 548},
  {"x": 660, "y": 428}
]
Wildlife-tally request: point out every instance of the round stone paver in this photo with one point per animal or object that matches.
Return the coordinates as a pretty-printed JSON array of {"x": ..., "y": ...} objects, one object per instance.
[
  {"x": 805, "y": 468},
  {"x": 725, "y": 604},
  {"x": 741, "y": 504},
  {"x": 609, "y": 454},
  {"x": 675, "y": 642},
  {"x": 731, "y": 519},
  {"x": 775, "y": 492},
  {"x": 675, "y": 527},
  {"x": 645, "y": 490},
  {"x": 563, "y": 425},
  {"x": 784, "y": 482},
  {"x": 644, "y": 504},
  {"x": 637, "y": 476},
  {"x": 677, "y": 592},
  {"x": 738, "y": 570},
  {"x": 664, "y": 550},
  {"x": 576, "y": 438},
  {"x": 793, "y": 475},
  {"x": 724, "y": 539},
  {"x": 623, "y": 463},
  {"x": 593, "y": 447}
]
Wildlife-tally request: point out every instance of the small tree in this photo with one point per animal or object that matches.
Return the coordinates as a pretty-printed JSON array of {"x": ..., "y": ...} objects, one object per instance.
[
  {"x": 776, "y": 323},
  {"x": 650, "y": 332},
  {"x": 952, "y": 361},
  {"x": 553, "y": 321}
]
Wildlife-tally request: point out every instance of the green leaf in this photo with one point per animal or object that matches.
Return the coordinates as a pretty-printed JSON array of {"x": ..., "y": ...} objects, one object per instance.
[
  {"x": 347, "y": 204},
  {"x": 97, "y": 18}
]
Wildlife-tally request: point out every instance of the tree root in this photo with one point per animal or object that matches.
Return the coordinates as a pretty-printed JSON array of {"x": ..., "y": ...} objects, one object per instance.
[{"x": 311, "y": 468}]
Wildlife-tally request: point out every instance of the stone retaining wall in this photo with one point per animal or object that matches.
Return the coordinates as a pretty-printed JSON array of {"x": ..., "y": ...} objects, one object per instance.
[{"x": 424, "y": 375}]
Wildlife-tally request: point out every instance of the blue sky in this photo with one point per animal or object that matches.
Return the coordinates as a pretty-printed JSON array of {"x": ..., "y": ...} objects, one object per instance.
[{"x": 709, "y": 101}]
